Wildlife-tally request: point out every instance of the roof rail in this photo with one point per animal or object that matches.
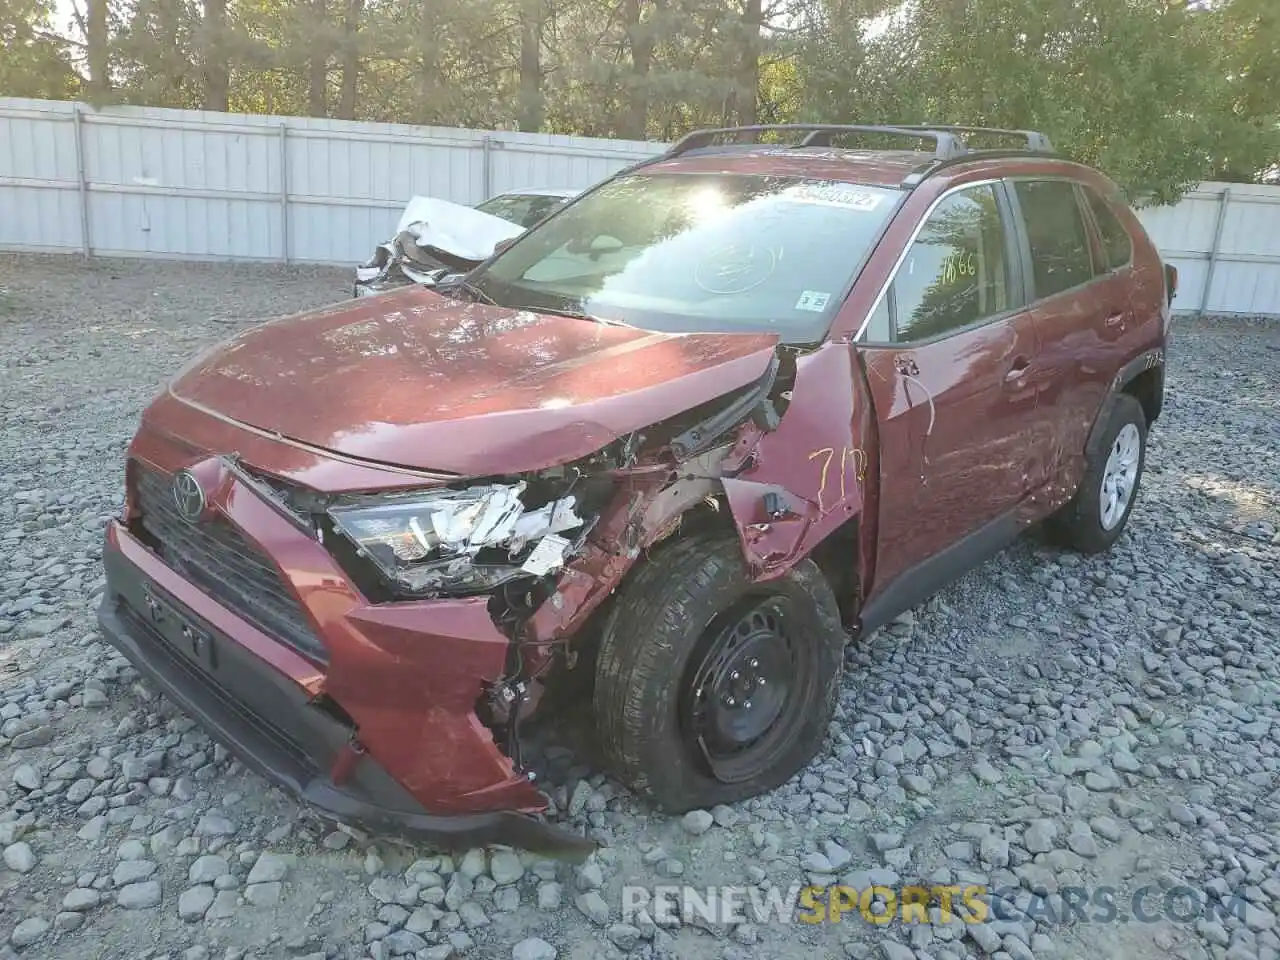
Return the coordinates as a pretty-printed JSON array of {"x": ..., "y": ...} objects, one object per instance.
[
  {"x": 947, "y": 145},
  {"x": 1034, "y": 141}
]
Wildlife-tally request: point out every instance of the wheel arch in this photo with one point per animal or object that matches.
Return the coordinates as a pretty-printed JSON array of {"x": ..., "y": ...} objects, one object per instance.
[{"x": 1141, "y": 378}]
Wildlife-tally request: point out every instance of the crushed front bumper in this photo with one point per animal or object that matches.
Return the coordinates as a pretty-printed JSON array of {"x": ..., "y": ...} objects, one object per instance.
[{"x": 269, "y": 716}]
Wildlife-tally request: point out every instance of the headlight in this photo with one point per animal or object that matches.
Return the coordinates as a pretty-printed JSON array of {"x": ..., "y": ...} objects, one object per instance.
[{"x": 460, "y": 540}]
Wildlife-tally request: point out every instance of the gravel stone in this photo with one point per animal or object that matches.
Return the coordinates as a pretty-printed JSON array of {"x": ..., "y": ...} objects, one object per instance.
[
  {"x": 213, "y": 825},
  {"x": 194, "y": 902},
  {"x": 207, "y": 869},
  {"x": 697, "y": 822},
  {"x": 1133, "y": 690},
  {"x": 81, "y": 899},
  {"x": 29, "y": 931},
  {"x": 549, "y": 895},
  {"x": 27, "y": 777},
  {"x": 139, "y": 896},
  {"x": 67, "y": 921},
  {"x": 505, "y": 867},
  {"x": 593, "y": 907},
  {"x": 19, "y": 857},
  {"x": 534, "y": 948},
  {"x": 132, "y": 871},
  {"x": 268, "y": 868},
  {"x": 263, "y": 894}
]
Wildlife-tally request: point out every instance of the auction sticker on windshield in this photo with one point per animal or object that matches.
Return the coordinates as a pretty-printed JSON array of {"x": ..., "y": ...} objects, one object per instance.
[
  {"x": 835, "y": 194},
  {"x": 814, "y": 300}
]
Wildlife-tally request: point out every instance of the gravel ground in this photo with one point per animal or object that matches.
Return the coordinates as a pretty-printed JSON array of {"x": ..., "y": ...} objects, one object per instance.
[{"x": 1048, "y": 722}]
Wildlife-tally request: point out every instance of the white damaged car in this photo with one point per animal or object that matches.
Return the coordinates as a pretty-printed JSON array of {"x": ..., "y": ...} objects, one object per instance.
[{"x": 437, "y": 237}]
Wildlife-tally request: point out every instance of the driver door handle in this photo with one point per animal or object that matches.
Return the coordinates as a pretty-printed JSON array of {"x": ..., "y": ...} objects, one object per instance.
[{"x": 1018, "y": 372}]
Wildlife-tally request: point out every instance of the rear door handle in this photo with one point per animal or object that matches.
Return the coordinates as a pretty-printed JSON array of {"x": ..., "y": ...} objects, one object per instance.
[{"x": 1115, "y": 320}]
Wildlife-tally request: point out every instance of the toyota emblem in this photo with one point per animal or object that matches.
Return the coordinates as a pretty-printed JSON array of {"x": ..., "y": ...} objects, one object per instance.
[{"x": 188, "y": 496}]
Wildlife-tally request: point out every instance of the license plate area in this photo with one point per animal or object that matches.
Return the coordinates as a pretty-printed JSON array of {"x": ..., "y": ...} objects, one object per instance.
[{"x": 185, "y": 636}]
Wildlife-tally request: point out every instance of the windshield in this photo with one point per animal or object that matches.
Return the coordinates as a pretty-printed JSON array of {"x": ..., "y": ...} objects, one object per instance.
[{"x": 704, "y": 253}]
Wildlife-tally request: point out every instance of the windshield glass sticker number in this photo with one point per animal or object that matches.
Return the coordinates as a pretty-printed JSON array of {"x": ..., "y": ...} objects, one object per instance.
[
  {"x": 814, "y": 301},
  {"x": 837, "y": 195}
]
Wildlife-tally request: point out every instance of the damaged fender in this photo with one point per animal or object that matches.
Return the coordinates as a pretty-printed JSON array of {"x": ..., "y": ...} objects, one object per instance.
[
  {"x": 789, "y": 488},
  {"x": 788, "y": 484}
]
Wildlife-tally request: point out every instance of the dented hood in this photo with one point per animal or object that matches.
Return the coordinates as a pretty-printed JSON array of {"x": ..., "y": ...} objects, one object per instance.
[{"x": 418, "y": 380}]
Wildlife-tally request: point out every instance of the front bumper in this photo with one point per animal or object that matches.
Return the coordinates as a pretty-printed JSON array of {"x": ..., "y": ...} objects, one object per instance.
[{"x": 264, "y": 703}]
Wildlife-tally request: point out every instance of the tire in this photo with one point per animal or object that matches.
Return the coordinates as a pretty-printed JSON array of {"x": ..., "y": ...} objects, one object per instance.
[
  {"x": 1080, "y": 525},
  {"x": 690, "y": 599}
]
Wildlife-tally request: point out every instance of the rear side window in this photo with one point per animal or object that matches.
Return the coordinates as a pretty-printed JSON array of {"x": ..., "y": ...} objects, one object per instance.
[
  {"x": 1117, "y": 247},
  {"x": 1055, "y": 229},
  {"x": 956, "y": 273}
]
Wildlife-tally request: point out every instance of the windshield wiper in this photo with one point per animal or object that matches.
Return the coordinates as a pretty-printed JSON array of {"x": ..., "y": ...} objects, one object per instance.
[
  {"x": 577, "y": 315},
  {"x": 460, "y": 282}
]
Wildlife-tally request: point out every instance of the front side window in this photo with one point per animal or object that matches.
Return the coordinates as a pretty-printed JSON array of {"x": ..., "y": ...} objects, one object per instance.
[
  {"x": 680, "y": 252},
  {"x": 956, "y": 272},
  {"x": 1117, "y": 247},
  {"x": 1055, "y": 230}
]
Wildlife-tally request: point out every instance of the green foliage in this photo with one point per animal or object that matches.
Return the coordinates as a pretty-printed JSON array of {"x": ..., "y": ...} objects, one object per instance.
[
  {"x": 1148, "y": 90},
  {"x": 1159, "y": 93},
  {"x": 35, "y": 62}
]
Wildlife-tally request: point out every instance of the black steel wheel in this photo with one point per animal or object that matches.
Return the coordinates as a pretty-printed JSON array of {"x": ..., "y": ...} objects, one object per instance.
[
  {"x": 747, "y": 684},
  {"x": 711, "y": 688}
]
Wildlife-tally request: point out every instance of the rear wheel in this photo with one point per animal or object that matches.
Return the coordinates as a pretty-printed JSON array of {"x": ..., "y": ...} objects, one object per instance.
[
  {"x": 711, "y": 688},
  {"x": 1095, "y": 518}
]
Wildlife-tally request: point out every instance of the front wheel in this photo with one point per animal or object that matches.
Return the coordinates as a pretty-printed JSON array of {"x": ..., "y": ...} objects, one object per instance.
[
  {"x": 710, "y": 688},
  {"x": 1097, "y": 515}
]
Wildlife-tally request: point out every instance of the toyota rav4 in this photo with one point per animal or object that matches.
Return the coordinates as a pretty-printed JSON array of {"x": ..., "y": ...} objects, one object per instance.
[{"x": 682, "y": 440}]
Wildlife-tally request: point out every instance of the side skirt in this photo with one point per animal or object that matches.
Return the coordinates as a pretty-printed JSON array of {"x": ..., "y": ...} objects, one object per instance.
[{"x": 922, "y": 581}]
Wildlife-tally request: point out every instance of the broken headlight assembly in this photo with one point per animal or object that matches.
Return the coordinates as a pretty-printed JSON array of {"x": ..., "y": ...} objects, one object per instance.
[{"x": 461, "y": 541}]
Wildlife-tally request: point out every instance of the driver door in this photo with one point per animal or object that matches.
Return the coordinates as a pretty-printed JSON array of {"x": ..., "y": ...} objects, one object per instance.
[{"x": 950, "y": 361}]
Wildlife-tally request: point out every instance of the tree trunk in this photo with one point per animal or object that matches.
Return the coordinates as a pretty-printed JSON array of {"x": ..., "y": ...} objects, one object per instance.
[
  {"x": 428, "y": 106},
  {"x": 350, "y": 59},
  {"x": 747, "y": 79},
  {"x": 214, "y": 56},
  {"x": 531, "y": 106},
  {"x": 96, "y": 39},
  {"x": 318, "y": 75},
  {"x": 635, "y": 120}
]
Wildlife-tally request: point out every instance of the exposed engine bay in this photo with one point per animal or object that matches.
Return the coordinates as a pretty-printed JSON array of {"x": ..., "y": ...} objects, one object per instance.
[{"x": 548, "y": 548}]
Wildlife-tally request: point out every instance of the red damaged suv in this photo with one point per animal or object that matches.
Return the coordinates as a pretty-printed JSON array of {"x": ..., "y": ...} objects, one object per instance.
[{"x": 683, "y": 439}]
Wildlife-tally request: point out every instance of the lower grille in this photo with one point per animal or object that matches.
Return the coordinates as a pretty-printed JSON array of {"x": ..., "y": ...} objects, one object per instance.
[
  {"x": 221, "y": 561},
  {"x": 158, "y": 646}
]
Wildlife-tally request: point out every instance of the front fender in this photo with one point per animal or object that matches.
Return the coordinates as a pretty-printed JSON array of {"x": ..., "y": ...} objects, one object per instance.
[{"x": 790, "y": 487}]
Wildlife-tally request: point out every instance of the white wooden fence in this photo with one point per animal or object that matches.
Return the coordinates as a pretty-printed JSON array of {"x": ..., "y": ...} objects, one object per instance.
[{"x": 132, "y": 181}]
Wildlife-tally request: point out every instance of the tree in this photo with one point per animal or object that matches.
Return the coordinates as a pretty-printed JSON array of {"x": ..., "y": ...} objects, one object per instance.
[
  {"x": 97, "y": 39},
  {"x": 213, "y": 53},
  {"x": 349, "y": 54},
  {"x": 35, "y": 61},
  {"x": 532, "y": 20},
  {"x": 1140, "y": 88},
  {"x": 1160, "y": 93}
]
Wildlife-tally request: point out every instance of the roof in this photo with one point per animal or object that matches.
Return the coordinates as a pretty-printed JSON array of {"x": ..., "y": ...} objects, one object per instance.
[{"x": 815, "y": 155}]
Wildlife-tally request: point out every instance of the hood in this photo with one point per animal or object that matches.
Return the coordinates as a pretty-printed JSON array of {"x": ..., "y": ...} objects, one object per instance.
[{"x": 414, "y": 379}]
